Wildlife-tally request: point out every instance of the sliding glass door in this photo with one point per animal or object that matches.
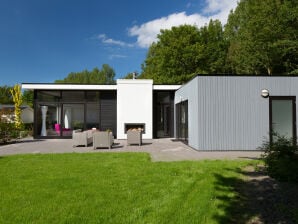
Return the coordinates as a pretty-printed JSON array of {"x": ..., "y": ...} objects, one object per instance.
[
  {"x": 163, "y": 114},
  {"x": 48, "y": 114},
  {"x": 182, "y": 121},
  {"x": 58, "y": 113},
  {"x": 73, "y": 118}
]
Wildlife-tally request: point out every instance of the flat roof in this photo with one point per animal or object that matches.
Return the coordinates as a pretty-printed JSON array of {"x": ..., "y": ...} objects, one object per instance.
[
  {"x": 166, "y": 87},
  {"x": 67, "y": 86},
  {"x": 134, "y": 81},
  {"x": 51, "y": 86},
  {"x": 244, "y": 75}
]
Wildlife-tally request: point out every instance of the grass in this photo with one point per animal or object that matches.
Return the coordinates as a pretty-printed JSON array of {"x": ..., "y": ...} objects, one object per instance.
[{"x": 115, "y": 188}]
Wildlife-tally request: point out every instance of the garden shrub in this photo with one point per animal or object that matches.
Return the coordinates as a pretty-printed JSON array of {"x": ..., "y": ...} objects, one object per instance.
[
  {"x": 27, "y": 130},
  {"x": 8, "y": 130},
  {"x": 281, "y": 158}
]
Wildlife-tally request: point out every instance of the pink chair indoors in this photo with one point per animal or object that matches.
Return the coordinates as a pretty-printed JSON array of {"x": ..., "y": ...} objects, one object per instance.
[
  {"x": 67, "y": 131},
  {"x": 57, "y": 128}
]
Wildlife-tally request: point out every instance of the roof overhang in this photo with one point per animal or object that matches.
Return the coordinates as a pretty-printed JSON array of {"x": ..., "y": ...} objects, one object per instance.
[
  {"x": 33, "y": 86},
  {"x": 166, "y": 87},
  {"x": 38, "y": 86}
]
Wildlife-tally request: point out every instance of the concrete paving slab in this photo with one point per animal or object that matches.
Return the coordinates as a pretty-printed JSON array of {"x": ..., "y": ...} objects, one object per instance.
[{"x": 159, "y": 149}]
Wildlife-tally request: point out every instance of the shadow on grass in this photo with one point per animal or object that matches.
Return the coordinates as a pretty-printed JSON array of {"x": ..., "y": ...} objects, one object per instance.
[{"x": 258, "y": 199}]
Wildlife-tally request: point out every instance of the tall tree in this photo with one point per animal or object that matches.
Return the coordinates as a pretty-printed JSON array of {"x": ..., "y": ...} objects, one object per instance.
[
  {"x": 104, "y": 76},
  {"x": 174, "y": 58},
  {"x": 263, "y": 37},
  {"x": 215, "y": 48},
  {"x": 108, "y": 74},
  {"x": 184, "y": 51}
]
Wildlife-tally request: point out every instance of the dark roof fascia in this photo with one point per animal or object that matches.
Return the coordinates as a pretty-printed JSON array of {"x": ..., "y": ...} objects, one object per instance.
[
  {"x": 78, "y": 84},
  {"x": 243, "y": 75},
  {"x": 233, "y": 76}
]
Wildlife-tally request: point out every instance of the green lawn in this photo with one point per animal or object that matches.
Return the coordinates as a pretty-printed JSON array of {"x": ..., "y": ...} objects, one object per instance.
[{"x": 115, "y": 188}]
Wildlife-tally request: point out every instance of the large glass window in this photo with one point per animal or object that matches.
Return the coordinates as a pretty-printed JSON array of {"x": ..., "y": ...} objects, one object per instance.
[
  {"x": 77, "y": 96},
  {"x": 92, "y": 115},
  {"x": 48, "y": 96},
  {"x": 163, "y": 114},
  {"x": 92, "y": 96},
  {"x": 58, "y": 113},
  {"x": 182, "y": 120},
  {"x": 48, "y": 116},
  {"x": 73, "y": 118},
  {"x": 282, "y": 117}
]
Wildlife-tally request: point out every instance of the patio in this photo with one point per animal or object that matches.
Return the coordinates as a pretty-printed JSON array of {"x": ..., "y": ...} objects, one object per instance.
[{"x": 160, "y": 149}]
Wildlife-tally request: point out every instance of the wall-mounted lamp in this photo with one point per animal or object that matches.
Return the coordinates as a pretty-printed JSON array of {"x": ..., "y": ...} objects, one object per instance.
[{"x": 265, "y": 93}]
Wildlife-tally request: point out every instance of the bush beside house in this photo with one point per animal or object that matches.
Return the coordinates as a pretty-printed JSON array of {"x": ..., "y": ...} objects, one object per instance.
[
  {"x": 7, "y": 128},
  {"x": 281, "y": 158},
  {"x": 8, "y": 131}
]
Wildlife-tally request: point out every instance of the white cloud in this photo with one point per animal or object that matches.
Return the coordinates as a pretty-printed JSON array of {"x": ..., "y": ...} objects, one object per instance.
[
  {"x": 219, "y": 9},
  {"x": 104, "y": 39},
  {"x": 147, "y": 32},
  {"x": 215, "y": 9},
  {"x": 217, "y": 6},
  {"x": 113, "y": 56}
]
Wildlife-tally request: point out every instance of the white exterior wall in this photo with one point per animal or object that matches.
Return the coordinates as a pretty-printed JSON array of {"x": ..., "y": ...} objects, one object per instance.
[{"x": 134, "y": 105}]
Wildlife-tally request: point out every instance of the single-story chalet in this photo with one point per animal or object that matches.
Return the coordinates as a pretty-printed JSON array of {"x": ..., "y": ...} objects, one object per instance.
[{"x": 208, "y": 112}]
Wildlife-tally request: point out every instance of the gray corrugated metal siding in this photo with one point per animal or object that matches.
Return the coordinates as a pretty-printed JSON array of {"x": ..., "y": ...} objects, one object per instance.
[{"x": 228, "y": 113}]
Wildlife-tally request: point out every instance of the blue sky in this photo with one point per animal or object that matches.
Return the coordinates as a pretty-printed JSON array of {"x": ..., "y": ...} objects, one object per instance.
[{"x": 44, "y": 40}]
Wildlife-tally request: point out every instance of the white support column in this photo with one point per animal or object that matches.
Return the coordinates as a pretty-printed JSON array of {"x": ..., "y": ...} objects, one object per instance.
[{"x": 134, "y": 105}]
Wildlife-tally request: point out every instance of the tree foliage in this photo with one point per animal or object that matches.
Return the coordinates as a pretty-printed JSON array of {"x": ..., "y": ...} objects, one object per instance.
[
  {"x": 260, "y": 37},
  {"x": 215, "y": 48},
  {"x": 105, "y": 75},
  {"x": 131, "y": 75},
  {"x": 174, "y": 57},
  {"x": 128, "y": 76},
  {"x": 263, "y": 37},
  {"x": 27, "y": 97},
  {"x": 183, "y": 51},
  {"x": 5, "y": 95}
]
